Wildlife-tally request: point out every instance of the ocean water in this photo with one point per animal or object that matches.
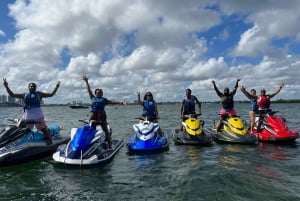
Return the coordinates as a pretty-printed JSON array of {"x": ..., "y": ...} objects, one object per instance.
[{"x": 220, "y": 172}]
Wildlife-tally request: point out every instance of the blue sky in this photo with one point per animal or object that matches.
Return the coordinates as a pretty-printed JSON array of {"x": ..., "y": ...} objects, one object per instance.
[{"x": 158, "y": 46}]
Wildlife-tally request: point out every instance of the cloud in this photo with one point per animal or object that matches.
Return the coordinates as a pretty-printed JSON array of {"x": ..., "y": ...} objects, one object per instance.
[
  {"x": 2, "y": 33},
  {"x": 159, "y": 46}
]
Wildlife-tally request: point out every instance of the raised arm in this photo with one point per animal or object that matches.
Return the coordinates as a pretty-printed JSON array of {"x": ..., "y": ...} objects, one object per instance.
[
  {"x": 246, "y": 93},
  {"x": 46, "y": 95},
  {"x": 216, "y": 89},
  {"x": 139, "y": 99},
  {"x": 236, "y": 86},
  {"x": 281, "y": 85},
  {"x": 12, "y": 94},
  {"x": 85, "y": 78}
]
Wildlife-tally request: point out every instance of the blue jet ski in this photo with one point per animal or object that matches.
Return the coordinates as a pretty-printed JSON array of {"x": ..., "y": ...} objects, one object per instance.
[
  {"x": 147, "y": 138},
  {"x": 20, "y": 144},
  {"x": 87, "y": 146}
]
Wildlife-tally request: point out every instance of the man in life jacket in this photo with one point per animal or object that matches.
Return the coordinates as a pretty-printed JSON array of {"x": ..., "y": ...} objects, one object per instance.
[
  {"x": 188, "y": 105},
  {"x": 32, "y": 108},
  {"x": 263, "y": 101},
  {"x": 98, "y": 109},
  {"x": 227, "y": 102}
]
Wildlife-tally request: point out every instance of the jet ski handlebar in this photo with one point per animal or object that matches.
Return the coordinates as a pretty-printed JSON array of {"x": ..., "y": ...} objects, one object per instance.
[{"x": 146, "y": 118}]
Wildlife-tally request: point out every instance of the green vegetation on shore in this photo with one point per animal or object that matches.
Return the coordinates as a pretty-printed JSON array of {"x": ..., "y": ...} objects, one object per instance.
[{"x": 246, "y": 101}]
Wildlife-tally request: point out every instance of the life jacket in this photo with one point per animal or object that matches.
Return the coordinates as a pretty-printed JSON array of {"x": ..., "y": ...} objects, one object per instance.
[
  {"x": 189, "y": 105},
  {"x": 32, "y": 100},
  {"x": 227, "y": 102},
  {"x": 254, "y": 105},
  {"x": 263, "y": 102},
  {"x": 149, "y": 108},
  {"x": 98, "y": 104}
]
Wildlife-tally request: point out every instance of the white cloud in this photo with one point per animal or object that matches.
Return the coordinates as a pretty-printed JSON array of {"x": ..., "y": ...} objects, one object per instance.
[
  {"x": 161, "y": 46},
  {"x": 2, "y": 33}
]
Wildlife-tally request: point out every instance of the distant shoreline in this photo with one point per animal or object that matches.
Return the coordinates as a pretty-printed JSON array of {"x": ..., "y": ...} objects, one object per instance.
[{"x": 217, "y": 102}]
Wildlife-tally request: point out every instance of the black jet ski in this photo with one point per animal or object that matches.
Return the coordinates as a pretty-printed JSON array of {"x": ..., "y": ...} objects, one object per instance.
[
  {"x": 192, "y": 132},
  {"x": 20, "y": 144}
]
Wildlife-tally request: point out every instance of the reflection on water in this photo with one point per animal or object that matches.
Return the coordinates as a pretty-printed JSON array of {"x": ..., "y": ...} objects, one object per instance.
[
  {"x": 193, "y": 154},
  {"x": 145, "y": 160},
  {"x": 218, "y": 172}
]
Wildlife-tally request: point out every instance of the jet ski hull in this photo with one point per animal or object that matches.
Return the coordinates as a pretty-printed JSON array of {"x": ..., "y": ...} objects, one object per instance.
[
  {"x": 232, "y": 138},
  {"x": 154, "y": 144},
  {"x": 182, "y": 138},
  {"x": 14, "y": 153}
]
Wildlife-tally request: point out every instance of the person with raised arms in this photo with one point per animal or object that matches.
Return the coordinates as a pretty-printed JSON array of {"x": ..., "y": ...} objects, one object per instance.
[
  {"x": 98, "y": 108},
  {"x": 227, "y": 102},
  {"x": 260, "y": 103},
  {"x": 32, "y": 107}
]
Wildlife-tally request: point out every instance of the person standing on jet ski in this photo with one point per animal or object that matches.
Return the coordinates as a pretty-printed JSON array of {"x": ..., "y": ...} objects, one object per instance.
[
  {"x": 254, "y": 106},
  {"x": 263, "y": 102},
  {"x": 98, "y": 111},
  {"x": 227, "y": 102},
  {"x": 149, "y": 108},
  {"x": 188, "y": 104},
  {"x": 32, "y": 108}
]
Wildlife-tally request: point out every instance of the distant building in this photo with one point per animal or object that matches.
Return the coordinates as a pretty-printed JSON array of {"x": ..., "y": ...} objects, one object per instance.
[
  {"x": 11, "y": 99},
  {"x": 3, "y": 99},
  {"x": 8, "y": 99}
]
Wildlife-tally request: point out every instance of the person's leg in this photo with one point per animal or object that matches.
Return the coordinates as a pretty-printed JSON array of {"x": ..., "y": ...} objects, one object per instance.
[
  {"x": 107, "y": 134},
  {"x": 220, "y": 123},
  {"x": 260, "y": 121},
  {"x": 252, "y": 120},
  {"x": 159, "y": 129},
  {"x": 47, "y": 135},
  {"x": 43, "y": 127}
]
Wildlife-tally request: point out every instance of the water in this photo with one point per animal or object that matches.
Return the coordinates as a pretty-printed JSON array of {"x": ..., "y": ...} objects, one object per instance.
[{"x": 218, "y": 172}]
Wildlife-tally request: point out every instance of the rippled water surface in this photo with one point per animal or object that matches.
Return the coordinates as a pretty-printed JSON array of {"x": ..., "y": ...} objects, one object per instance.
[{"x": 218, "y": 172}]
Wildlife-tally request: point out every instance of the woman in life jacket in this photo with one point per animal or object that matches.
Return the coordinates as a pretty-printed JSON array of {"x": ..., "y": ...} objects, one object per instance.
[
  {"x": 254, "y": 106},
  {"x": 98, "y": 108},
  {"x": 32, "y": 107},
  {"x": 227, "y": 102},
  {"x": 149, "y": 108},
  {"x": 263, "y": 102}
]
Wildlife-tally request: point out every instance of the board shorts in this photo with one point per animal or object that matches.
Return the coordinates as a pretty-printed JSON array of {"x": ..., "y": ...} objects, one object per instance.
[
  {"x": 227, "y": 112},
  {"x": 41, "y": 125}
]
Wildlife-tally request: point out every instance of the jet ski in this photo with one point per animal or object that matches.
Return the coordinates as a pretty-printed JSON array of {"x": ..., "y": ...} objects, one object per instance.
[
  {"x": 192, "y": 132},
  {"x": 20, "y": 144},
  {"x": 87, "y": 146},
  {"x": 234, "y": 130},
  {"x": 274, "y": 129},
  {"x": 146, "y": 137}
]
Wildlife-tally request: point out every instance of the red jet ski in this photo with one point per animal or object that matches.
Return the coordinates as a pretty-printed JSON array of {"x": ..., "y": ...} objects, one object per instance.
[{"x": 274, "y": 129}]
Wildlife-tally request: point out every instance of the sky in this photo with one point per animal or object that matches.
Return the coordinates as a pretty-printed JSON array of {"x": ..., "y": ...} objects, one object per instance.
[{"x": 162, "y": 46}]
